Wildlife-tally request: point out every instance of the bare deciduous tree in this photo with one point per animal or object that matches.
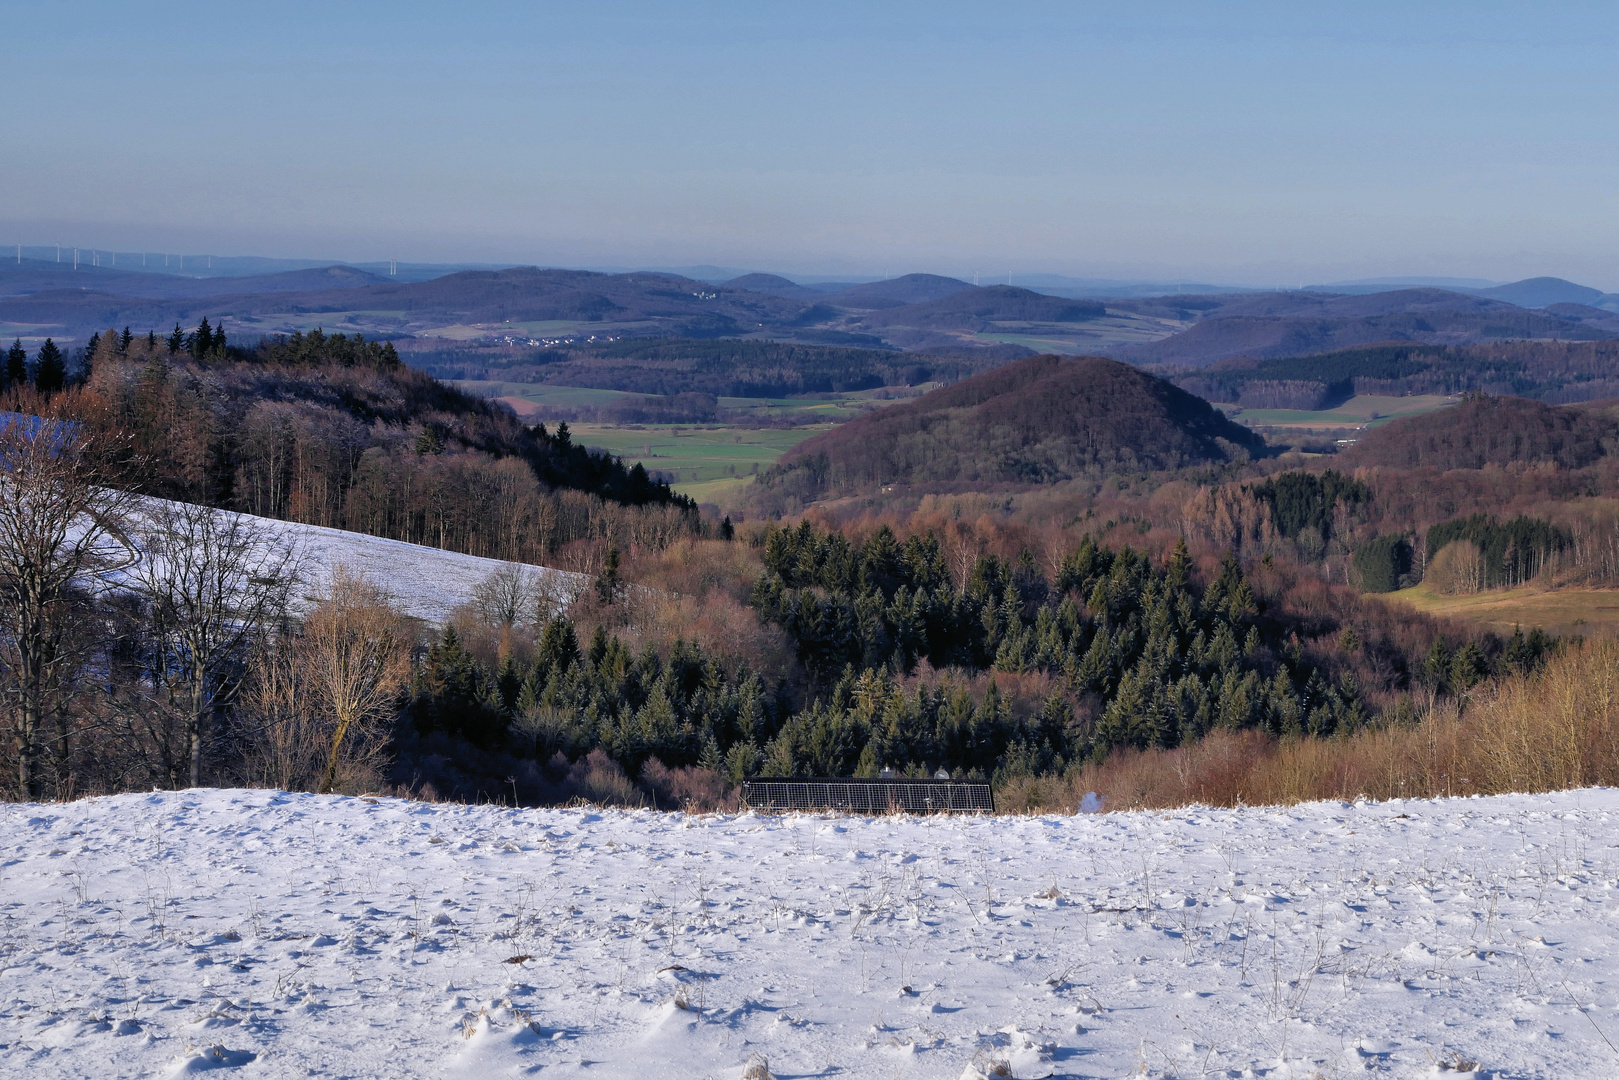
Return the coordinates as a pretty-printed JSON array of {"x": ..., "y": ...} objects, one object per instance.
[
  {"x": 61, "y": 530},
  {"x": 504, "y": 598},
  {"x": 212, "y": 582},
  {"x": 283, "y": 735},
  {"x": 356, "y": 662}
]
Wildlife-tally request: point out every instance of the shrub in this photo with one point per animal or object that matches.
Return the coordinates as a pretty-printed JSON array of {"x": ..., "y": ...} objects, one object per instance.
[{"x": 1457, "y": 569}]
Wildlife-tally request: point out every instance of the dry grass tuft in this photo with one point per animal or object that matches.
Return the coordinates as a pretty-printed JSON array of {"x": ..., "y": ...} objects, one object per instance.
[{"x": 1554, "y": 730}]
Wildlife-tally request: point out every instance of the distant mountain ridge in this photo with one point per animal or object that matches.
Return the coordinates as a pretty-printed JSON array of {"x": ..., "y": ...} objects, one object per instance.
[
  {"x": 915, "y": 312},
  {"x": 1544, "y": 291},
  {"x": 1554, "y": 371},
  {"x": 1297, "y": 324}
]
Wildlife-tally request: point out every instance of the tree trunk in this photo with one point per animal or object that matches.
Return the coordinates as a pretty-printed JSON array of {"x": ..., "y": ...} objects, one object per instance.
[
  {"x": 28, "y": 750},
  {"x": 331, "y": 760},
  {"x": 196, "y": 713}
]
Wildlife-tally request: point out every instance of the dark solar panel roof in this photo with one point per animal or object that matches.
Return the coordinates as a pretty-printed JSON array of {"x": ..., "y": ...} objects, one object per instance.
[{"x": 868, "y": 796}]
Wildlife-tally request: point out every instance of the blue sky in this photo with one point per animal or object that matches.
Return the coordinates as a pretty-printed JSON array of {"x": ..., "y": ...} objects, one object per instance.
[{"x": 1233, "y": 142}]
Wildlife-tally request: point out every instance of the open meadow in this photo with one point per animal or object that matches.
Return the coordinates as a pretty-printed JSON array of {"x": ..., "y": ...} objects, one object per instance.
[
  {"x": 1557, "y": 611},
  {"x": 1361, "y": 411},
  {"x": 708, "y": 461}
]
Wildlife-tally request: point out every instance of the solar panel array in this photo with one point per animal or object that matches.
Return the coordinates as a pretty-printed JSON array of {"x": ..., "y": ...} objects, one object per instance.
[{"x": 861, "y": 796}]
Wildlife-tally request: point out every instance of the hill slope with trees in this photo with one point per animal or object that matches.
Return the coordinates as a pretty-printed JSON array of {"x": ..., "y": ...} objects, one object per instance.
[
  {"x": 333, "y": 430},
  {"x": 1485, "y": 431},
  {"x": 1555, "y": 371},
  {"x": 1039, "y": 420}
]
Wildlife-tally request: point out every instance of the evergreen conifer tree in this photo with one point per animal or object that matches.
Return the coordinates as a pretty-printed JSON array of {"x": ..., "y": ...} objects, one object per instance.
[
  {"x": 16, "y": 371},
  {"x": 50, "y": 371},
  {"x": 202, "y": 342}
]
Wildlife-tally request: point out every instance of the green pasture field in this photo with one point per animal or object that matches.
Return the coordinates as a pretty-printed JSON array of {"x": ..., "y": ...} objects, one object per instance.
[
  {"x": 1063, "y": 346},
  {"x": 710, "y": 462},
  {"x": 703, "y": 462},
  {"x": 1081, "y": 339},
  {"x": 1557, "y": 611},
  {"x": 832, "y": 408},
  {"x": 1362, "y": 411},
  {"x": 560, "y": 396}
]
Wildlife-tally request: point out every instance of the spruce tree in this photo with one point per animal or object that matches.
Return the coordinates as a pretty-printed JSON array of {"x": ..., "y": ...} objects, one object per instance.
[
  {"x": 50, "y": 372},
  {"x": 176, "y": 340},
  {"x": 16, "y": 371},
  {"x": 202, "y": 342},
  {"x": 125, "y": 340}
]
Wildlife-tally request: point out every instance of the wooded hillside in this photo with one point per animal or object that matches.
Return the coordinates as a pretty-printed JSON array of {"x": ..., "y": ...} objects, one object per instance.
[
  {"x": 1035, "y": 421},
  {"x": 332, "y": 430},
  {"x": 1489, "y": 431},
  {"x": 1557, "y": 371}
]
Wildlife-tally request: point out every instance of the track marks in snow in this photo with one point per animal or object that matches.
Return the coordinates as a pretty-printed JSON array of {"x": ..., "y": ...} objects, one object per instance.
[{"x": 264, "y": 933}]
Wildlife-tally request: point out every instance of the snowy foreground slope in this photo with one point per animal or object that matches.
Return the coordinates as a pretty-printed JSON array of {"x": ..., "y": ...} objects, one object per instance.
[{"x": 275, "y": 935}]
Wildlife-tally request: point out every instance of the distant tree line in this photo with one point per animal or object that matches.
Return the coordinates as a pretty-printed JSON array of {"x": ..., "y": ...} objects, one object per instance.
[
  {"x": 1477, "y": 552},
  {"x": 722, "y": 367}
]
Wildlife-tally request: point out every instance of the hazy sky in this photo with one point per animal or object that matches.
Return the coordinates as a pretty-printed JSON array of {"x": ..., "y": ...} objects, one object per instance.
[{"x": 1237, "y": 142}]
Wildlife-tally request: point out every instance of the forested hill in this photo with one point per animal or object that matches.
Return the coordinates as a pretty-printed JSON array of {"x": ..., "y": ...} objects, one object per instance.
[
  {"x": 1039, "y": 420},
  {"x": 1558, "y": 371},
  {"x": 724, "y": 367},
  {"x": 1485, "y": 431},
  {"x": 333, "y": 430}
]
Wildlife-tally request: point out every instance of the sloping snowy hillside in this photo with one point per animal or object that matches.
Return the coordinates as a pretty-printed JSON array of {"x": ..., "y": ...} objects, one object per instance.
[
  {"x": 281, "y": 935},
  {"x": 426, "y": 583}
]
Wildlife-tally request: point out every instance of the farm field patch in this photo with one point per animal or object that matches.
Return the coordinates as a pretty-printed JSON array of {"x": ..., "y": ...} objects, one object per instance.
[
  {"x": 1361, "y": 411},
  {"x": 696, "y": 455}
]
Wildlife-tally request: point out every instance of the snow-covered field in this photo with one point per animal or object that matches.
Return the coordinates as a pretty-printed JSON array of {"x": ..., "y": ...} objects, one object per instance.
[
  {"x": 426, "y": 583},
  {"x": 286, "y": 935}
]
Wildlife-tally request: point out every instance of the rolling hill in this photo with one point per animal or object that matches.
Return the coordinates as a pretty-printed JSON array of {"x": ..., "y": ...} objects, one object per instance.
[
  {"x": 916, "y": 312},
  {"x": 1556, "y": 371},
  {"x": 32, "y": 276},
  {"x": 909, "y": 289},
  {"x": 1543, "y": 292},
  {"x": 1040, "y": 420},
  {"x": 1288, "y": 324},
  {"x": 1262, "y": 337},
  {"x": 978, "y": 308},
  {"x": 1490, "y": 431}
]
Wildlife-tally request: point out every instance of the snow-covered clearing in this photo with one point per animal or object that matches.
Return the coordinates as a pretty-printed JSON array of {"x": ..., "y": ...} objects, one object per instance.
[
  {"x": 290, "y": 935},
  {"x": 426, "y": 583}
]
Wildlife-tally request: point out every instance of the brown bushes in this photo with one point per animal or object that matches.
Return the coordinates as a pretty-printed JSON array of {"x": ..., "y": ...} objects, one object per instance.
[{"x": 1554, "y": 730}]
